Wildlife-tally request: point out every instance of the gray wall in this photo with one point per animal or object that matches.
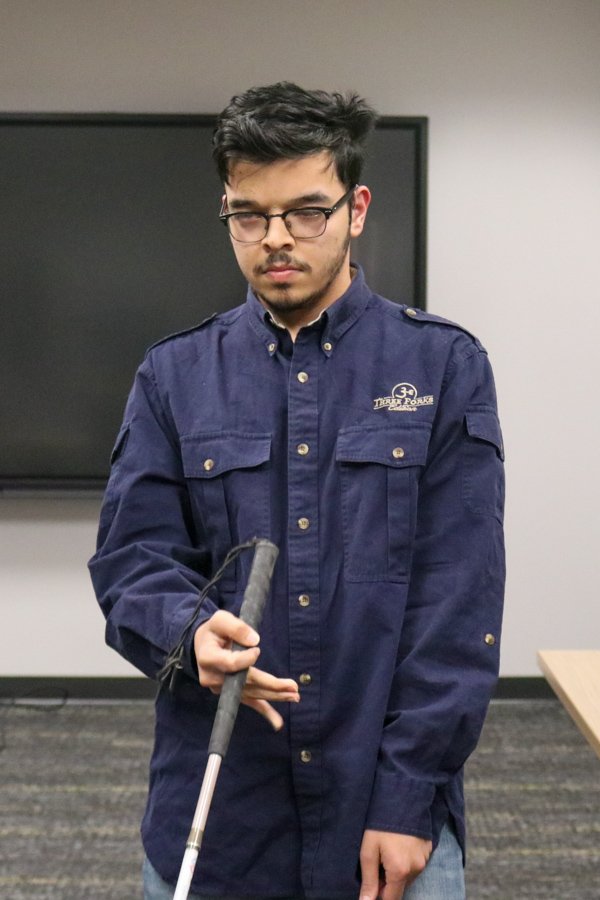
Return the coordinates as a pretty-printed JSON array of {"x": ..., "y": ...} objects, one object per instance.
[{"x": 511, "y": 88}]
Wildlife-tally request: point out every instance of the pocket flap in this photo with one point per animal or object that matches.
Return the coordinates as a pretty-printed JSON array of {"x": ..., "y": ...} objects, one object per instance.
[
  {"x": 483, "y": 423},
  {"x": 394, "y": 445},
  {"x": 211, "y": 454},
  {"x": 120, "y": 443}
]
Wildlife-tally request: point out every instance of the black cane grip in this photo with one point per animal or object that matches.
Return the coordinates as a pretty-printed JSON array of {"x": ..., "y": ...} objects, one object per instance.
[{"x": 255, "y": 595}]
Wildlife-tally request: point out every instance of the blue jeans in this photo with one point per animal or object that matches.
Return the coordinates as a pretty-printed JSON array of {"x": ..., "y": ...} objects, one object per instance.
[{"x": 442, "y": 878}]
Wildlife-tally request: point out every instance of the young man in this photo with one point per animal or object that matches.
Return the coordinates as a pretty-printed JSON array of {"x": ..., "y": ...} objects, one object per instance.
[{"x": 362, "y": 438}]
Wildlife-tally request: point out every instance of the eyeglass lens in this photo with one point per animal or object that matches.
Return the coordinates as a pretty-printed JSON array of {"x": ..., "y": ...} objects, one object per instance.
[{"x": 301, "y": 223}]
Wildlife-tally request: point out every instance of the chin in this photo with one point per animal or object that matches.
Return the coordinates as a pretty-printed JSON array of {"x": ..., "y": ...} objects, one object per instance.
[
  {"x": 281, "y": 302},
  {"x": 281, "y": 295}
]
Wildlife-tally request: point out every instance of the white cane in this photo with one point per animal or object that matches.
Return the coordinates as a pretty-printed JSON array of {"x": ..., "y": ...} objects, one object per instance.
[{"x": 255, "y": 596}]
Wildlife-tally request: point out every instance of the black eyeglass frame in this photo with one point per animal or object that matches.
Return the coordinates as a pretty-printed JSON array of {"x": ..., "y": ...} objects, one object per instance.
[{"x": 326, "y": 210}]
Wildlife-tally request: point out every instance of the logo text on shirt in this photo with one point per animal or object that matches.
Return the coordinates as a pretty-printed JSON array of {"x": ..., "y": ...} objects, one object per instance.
[{"x": 404, "y": 398}]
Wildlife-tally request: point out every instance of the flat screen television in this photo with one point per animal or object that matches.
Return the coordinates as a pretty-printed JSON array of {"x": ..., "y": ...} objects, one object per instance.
[{"x": 109, "y": 240}]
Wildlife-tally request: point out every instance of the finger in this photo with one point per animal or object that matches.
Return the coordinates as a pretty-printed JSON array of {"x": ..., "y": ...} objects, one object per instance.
[
  {"x": 215, "y": 683},
  {"x": 403, "y": 873},
  {"x": 394, "y": 890},
  {"x": 216, "y": 686},
  {"x": 369, "y": 866},
  {"x": 266, "y": 710},
  {"x": 418, "y": 868},
  {"x": 259, "y": 685},
  {"x": 257, "y": 678},
  {"x": 224, "y": 661},
  {"x": 261, "y": 694},
  {"x": 226, "y": 625}
]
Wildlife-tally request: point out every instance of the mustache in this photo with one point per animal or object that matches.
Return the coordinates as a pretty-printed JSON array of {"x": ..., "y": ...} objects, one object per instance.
[{"x": 279, "y": 259}]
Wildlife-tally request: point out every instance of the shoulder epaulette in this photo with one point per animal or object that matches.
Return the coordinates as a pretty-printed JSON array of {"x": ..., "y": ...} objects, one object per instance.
[
  {"x": 177, "y": 334},
  {"x": 419, "y": 315}
]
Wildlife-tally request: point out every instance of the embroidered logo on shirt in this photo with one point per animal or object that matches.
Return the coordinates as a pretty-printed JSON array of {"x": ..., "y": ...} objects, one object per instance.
[{"x": 404, "y": 398}]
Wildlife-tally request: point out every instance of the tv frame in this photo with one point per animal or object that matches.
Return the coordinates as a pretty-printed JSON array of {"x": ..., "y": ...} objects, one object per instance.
[{"x": 62, "y": 486}]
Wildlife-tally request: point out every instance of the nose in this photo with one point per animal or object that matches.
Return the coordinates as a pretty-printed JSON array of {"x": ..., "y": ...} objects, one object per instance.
[{"x": 278, "y": 235}]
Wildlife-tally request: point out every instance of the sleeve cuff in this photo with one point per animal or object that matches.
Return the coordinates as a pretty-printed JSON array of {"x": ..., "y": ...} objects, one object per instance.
[
  {"x": 188, "y": 661},
  {"x": 402, "y": 805}
]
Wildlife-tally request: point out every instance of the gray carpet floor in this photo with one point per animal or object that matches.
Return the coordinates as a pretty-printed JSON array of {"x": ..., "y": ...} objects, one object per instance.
[{"x": 73, "y": 783}]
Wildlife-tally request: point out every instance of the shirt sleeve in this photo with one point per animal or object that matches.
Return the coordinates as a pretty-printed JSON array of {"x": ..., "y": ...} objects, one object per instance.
[
  {"x": 147, "y": 570},
  {"x": 448, "y": 656}
]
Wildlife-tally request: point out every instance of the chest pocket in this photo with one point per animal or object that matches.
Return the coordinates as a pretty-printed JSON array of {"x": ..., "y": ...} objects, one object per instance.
[
  {"x": 228, "y": 476},
  {"x": 380, "y": 471}
]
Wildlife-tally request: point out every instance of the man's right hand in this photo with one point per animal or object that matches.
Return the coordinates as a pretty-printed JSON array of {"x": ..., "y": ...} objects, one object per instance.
[{"x": 215, "y": 658}]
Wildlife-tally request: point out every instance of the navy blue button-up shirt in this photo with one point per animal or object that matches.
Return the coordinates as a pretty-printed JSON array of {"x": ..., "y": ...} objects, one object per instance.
[{"x": 369, "y": 451}]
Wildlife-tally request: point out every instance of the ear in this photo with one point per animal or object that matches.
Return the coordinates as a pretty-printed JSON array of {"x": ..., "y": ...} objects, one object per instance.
[{"x": 360, "y": 205}]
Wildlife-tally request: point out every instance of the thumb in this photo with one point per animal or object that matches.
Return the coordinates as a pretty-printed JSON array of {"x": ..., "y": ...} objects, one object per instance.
[{"x": 369, "y": 865}]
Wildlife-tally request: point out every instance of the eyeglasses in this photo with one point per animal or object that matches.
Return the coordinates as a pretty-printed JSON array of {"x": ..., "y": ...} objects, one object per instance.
[{"x": 304, "y": 222}]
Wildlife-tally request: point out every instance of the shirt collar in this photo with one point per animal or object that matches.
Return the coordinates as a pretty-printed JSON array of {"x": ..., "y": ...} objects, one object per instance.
[
  {"x": 271, "y": 318},
  {"x": 338, "y": 317}
]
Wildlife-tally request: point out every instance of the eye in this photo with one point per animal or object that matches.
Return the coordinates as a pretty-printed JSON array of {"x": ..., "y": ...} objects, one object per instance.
[
  {"x": 307, "y": 214},
  {"x": 248, "y": 221},
  {"x": 247, "y": 218}
]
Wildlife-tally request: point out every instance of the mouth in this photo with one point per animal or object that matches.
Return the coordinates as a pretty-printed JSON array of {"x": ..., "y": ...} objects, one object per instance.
[{"x": 281, "y": 273}]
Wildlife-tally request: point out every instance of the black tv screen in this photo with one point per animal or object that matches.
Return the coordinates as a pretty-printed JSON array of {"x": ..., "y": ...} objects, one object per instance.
[{"x": 109, "y": 240}]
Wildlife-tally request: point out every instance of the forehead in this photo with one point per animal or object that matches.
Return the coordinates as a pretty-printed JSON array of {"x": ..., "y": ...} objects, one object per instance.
[{"x": 276, "y": 182}]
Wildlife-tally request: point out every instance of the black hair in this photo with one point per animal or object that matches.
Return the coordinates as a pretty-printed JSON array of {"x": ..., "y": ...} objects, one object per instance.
[{"x": 284, "y": 121}]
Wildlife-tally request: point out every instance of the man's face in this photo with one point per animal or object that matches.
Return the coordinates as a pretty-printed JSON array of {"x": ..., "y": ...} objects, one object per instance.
[{"x": 296, "y": 277}]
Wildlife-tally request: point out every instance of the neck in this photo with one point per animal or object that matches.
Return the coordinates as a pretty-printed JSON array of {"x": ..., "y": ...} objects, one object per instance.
[{"x": 311, "y": 308}]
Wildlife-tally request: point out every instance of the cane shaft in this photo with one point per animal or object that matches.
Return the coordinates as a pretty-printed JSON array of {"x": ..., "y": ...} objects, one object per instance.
[
  {"x": 197, "y": 830},
  {"x": 259, "y": 582}
]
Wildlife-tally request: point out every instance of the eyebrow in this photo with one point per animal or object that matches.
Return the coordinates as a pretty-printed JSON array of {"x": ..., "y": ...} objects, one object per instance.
[{"x": 305, "y": 199}]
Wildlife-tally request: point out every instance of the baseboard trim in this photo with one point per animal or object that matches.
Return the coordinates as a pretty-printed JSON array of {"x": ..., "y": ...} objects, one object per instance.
[
  {"x": 526, "y": 687},
  {"x": 141, "y": 688},
  {"x": 77, "y": 688}
]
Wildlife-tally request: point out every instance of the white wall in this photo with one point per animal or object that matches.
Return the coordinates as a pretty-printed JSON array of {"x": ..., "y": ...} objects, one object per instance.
[{"x": 511, "y": 88}]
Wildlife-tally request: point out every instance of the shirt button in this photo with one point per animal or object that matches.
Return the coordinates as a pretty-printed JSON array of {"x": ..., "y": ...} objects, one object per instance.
[
  {"x": 304, "y": 600},
  {"x": 397, "y": 452},
  {"x": 490, "y": 639},
  {"x": 305, "y": 679},
  {"x": 303, "y": 377},
  {"x": 411, "y": 312},
  {"x": 303, "y": 523},
  {"x": 306, "y": 756},
  {"x": 327, "y": 346},
  {"x": 209, "y": 464},
  {"x": 302, "y": 449},
  {"x": 272, "y": 347}
]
